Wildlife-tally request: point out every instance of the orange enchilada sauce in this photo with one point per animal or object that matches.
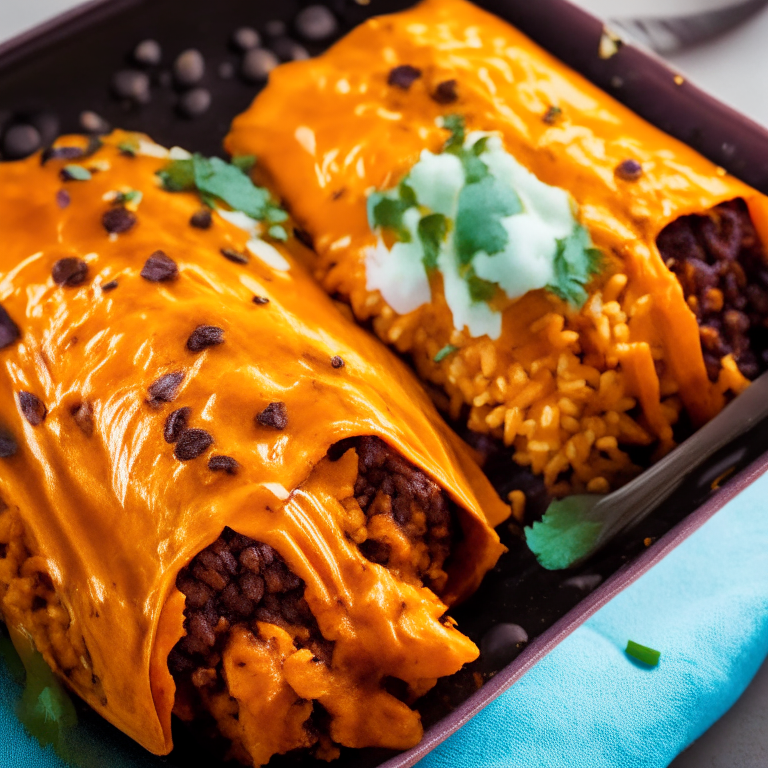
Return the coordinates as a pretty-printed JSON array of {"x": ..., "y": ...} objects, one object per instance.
[
  {"x": 329, "y": 130},
  {"x": 110, "y": 511}
]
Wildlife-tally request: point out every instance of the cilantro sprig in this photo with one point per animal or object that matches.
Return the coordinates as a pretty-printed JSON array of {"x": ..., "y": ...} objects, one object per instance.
[
  {"x": 576, "y": 261},
  {"x": 218, "y": 181}
]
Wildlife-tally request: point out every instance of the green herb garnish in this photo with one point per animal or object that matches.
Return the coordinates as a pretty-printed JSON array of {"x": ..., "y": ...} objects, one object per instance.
[
  {"x": 448, "y": 349},
  {"x": 479, "y": 289},
  {"x": 642, "y": 653},
  {"x": 432, "y": 231},
  {"x": 129, "y": 147},
  {"x": 386, "y": 211},
  {"x": 461, "y": 224},
  {"x": 482, "y": 205},
  {"x": 129, "y": 196},
  {"x": 276, "y": 232},
  {"x": 45, "y": 709},
  {"x": 576, "y": 261},
  {"x": 76, "y": 172},
  {"x": 244, "y": 162},
  {"x": 216, "y": 180}
]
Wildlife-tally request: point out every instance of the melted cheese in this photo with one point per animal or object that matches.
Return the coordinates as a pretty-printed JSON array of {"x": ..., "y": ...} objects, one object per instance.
[
  {"x": 505, "y": 84},
  {"x": 110, "y": 510}
]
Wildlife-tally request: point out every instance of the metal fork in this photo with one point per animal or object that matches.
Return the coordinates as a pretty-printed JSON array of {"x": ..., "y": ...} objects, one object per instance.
[{"x": 670, "y": 35}]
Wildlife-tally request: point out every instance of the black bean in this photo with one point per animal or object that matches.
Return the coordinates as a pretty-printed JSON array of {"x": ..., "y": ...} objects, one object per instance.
[
  {"x": 21, "y": 141},
  {"x": 93, "y": 123},
  {"x": 61, "y": 153},
  {"x": 131, "y": 84},
  {"x": 32, "y": 408},
  {"x": 289, "y": 50},
  {"x": 235, "y": 256},
  {"x": 192, "y": 444},
  {"x": 176, "y": 424},
  {"x": 257, "y": 64},
  {"x": 223, "y": 464},
  {"x": 246, "y": 38},
  {"x": 159, "y": 268},
  {"x": 304, "y": 238},
  {"x": 110, "y": 286},
  {"x": 8, "y": 445},
  {"x": 260, "y": 300},
  {"x": 316, "y": 22},
  {"x": 148, "y": 53},
  {"x": 165, "y": 389},
  {"x": 189, "y": 67},
  {"x": 195, "y": 102},
  {"x": 337, "y": 362},
  {"x": 82, "y": 413},
  {"x": 9, "y": 331},
  {"x": 403, "y": 76},
  {"x": 118, "y": 220},
  {"x": 445, "y": 93},
  {"x": 205, "y": 336},
  {"x": 274, "y": 415},
  {"x": 202, "y": 219},
  {"x": 629, "y": 170},
  {"x": 63, "y": 198},
  {"x": 70, "y": 271}
]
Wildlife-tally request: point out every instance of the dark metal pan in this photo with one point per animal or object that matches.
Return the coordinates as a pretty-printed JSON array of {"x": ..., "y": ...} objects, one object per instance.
[{"x": 50, "y": 75}]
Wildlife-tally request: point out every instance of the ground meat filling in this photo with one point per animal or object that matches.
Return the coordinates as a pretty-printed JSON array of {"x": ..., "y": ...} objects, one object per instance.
[
  {"x": 723, "y": 269},
  {"x": 240, "y": 582},
  {"x": 389, "y": 485},
  {"x": 235, "y": 581}
]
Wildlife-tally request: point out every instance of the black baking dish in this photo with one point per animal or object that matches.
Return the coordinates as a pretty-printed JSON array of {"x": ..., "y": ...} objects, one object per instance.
[{"x": 50, "y": 75}]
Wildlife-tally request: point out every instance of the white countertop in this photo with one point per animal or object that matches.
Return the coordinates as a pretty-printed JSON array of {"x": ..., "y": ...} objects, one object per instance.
[{"x": 735, "y": 69}]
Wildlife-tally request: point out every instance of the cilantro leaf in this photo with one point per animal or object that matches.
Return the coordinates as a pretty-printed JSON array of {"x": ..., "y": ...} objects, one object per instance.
[
  {"x": 129, "y": 147},
  {"x": 215, "y": 180},
  {"x": 432, "y": 231},
  {"x": 478, "y": 224},
  {"x": 458, "y": 128},
  {"x": 480, "y": 289},
  {"x": 386, "y": 211},
  {"x": 76, "y": 172},
  {"x": 576, "y": 261},
  {"x": 230, "y": 184},
  {"x": 448, "y": 349},
  {"x": 178, "y": 176},
  {"x": 475, "y": 169},
  {"x": 276, "y": 232},
  {"x": 244, "y": 162},
  {"x": 45, "y": 708}
]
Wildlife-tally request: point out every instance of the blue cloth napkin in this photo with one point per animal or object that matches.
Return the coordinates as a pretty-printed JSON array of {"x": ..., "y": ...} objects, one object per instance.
[{"x": 587, "y": 705}]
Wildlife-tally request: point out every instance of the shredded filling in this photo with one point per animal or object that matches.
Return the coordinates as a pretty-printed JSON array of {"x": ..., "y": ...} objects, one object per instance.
[{"x": 246, "y": 617}]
